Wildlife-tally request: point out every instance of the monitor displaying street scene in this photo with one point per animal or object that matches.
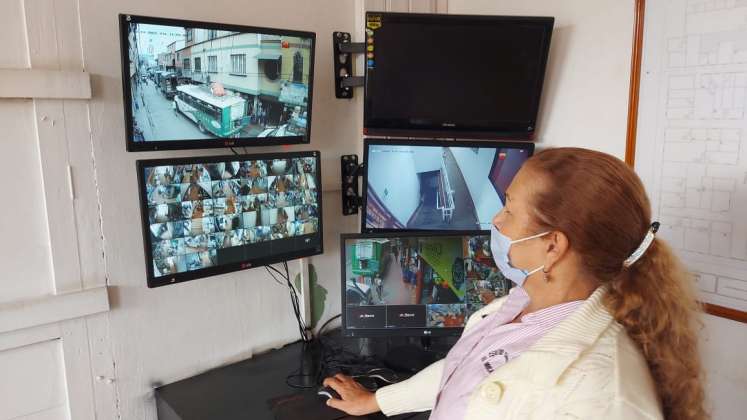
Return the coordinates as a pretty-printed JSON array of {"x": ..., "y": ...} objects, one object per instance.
[
  {"x": 233, "y": 212},
  {"x": 193, "y": 84},
  {"x": 417, "y": 282},
  {"x": 434, "y": 185}
]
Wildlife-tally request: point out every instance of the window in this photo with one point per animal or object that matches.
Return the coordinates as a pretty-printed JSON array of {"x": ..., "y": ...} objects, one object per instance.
[
  {"x": 212, "y": 64},
  {"x": 238, "y": 63},
  {"x": 185, "y": 64},
  {"x": 272, "y": 68},
  {"x": 188, "y": 33},
  {"x": 298, "y": 67},
  {"x": 212, "y": 33},
  {"x": 198, "y": 64}
]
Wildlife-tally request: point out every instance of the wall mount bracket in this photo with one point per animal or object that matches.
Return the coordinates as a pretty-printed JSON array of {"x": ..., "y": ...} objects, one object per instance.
[
  {"x": 343, "y": 49},
  {"x": 350, "y": 171}
]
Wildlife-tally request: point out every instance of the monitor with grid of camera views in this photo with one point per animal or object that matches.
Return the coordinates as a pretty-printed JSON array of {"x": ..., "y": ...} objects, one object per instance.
[{"x": 211, "y": 215}]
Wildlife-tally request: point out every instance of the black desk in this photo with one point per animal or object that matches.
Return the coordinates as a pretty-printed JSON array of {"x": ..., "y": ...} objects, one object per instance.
[{"x": 243, "y": 391}]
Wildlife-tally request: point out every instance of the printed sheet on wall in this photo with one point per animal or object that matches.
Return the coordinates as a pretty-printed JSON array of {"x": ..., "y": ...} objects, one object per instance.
[{"x": 691, "y": 149}]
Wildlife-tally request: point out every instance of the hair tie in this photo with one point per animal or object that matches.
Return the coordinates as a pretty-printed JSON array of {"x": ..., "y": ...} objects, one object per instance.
[{"x": 647, "y": 240}]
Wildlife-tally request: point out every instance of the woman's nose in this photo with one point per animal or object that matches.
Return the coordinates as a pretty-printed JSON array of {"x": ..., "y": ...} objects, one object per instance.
[{"x": 498, "y": 219}]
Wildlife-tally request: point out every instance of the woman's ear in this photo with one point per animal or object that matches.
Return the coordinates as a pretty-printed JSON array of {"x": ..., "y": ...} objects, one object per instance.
[{"x": 557, "y": 246}]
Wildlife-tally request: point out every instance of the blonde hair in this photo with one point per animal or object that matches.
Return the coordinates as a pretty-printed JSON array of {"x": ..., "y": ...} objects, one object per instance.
[{"x": 600, "y": 204}]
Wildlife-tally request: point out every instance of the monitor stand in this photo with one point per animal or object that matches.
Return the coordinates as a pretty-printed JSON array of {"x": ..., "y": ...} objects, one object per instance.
[{"x": 411, "y": 357}]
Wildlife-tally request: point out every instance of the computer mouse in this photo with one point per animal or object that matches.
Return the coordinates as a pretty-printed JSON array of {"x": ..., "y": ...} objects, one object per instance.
[
  {"x": 367, "y": 382},
  {"x": 383, "y": 376},
  {"x": 327, "y": 392}
]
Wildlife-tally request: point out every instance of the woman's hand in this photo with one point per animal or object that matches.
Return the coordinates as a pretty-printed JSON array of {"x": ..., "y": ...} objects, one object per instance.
[{"x": 355, "y": 399}]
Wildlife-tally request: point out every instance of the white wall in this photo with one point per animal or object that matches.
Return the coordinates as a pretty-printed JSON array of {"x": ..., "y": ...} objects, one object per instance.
[
  {"x": 722, "y": 344},
  {"x": 165, "y": 334},
  {"x": 40, "y": 392},
  {"x": 51, "y": 274},
  {"x": 475, "y": 169},
  {"x": 24, "y": 216},
  {"x": 427, "y": 159},
  {"x": 585, "y": 96},
  {"x": 24, "y": 220},
  {"x": 394, "y": 170}
]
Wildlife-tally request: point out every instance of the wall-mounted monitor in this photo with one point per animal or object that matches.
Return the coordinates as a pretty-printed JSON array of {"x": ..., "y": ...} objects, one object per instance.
[
  {"x": 419, "y": 284},
  {"x": 457, "y": 76},
  {"x": 189, "y": 84},
  {"x": 437, "y": 184},
  {"x": 211, "y": 215}
]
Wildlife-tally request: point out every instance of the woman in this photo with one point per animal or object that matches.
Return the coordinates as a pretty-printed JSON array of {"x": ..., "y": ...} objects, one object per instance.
[{"x": 603, "y": 325}]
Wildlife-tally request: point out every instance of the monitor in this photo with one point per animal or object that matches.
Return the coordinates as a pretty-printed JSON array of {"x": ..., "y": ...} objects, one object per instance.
[
  {"x": 419, "y": 284},
  {"x": 458, "y": 76},
  {"x": 203, "y": 216},
  {"x": 189, "y": 84},
  {"x": 437, "y": 184}
]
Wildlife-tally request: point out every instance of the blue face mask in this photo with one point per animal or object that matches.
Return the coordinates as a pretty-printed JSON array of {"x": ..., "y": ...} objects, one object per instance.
[{"x": 499, "y": 246}]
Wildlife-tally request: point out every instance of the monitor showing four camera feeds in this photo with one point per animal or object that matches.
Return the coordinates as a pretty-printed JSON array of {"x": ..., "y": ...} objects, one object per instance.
[{"x": 422, "y": 262}]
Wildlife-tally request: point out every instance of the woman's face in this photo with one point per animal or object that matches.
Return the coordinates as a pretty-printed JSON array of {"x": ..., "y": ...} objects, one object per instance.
[{"x": 514, "y": 221}]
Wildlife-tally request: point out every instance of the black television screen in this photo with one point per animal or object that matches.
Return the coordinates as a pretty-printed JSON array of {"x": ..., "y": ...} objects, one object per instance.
[
  {"x": 194, "y": 84},
  {"x": 454, "y": 75},
  {"x": 211, "y": 215},
  {"x": 437, "y": 184},
  {"x": 424, "y": 284}
]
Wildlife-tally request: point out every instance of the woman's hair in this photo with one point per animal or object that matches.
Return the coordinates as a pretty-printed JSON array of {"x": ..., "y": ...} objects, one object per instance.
[{"x": 600, "y": 204}]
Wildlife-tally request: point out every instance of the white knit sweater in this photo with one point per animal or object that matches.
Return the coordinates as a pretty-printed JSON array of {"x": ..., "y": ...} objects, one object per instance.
[{"x": 585, "y": 368}]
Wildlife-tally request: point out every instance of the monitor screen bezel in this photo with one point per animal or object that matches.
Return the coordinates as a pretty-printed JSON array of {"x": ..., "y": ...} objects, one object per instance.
[
  {"x": 370, "y": 128},
  {"x": 226, "y": 268},
  {"x": 181, "y": 144},
  {"x": 394, "y": 332},
  {"x": 367, "y": 142}
]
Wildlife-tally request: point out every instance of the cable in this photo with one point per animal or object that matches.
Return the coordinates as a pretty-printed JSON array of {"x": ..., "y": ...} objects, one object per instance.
[
  {"x": 234, "y": 152},
  {"x": 302, "y": 327},
  {"x": 274, "y": 278},
  {"x": 304, "y": 380},
  {"x": 321, "y": 329},
  {"x": 333, "y": 356}
]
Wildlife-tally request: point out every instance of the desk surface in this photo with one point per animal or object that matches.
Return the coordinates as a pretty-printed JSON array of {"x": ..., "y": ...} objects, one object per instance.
[{"x": 243, "y": 390}]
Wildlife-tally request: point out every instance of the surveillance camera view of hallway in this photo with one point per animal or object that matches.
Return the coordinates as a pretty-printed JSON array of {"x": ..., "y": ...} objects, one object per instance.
[{"x": 438, "y": 188}]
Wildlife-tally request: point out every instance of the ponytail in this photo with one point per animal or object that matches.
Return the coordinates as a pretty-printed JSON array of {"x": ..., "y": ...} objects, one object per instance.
[{"x": 654, "y": 300}]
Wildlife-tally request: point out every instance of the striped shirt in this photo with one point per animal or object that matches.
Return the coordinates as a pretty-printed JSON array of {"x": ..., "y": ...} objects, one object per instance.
[{"x": 489, "y": 345}]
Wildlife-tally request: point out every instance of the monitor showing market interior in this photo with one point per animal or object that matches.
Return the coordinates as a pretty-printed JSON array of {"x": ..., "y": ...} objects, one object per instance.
[{"x": 407, "y": 284}]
